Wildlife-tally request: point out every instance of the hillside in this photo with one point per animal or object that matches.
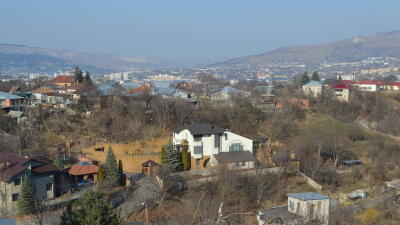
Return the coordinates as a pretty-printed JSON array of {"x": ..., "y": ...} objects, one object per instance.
[
  {"x": 353, "y": 49},
  {"x": 20, "y": 58}
]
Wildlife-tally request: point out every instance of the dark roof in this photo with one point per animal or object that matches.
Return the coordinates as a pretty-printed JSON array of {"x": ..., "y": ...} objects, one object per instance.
[
  {"x": 13, "y": 165},
  {"x": 274, "y": 213},
  {"x": 232, "y": 157},
  {"x": 200, "y": 129},
  {"x": 45, "y": 169},
  {"x": 63, "y": 79},
  {"x": 150, "y": 162},
  {"x": 305, "y": 196}
]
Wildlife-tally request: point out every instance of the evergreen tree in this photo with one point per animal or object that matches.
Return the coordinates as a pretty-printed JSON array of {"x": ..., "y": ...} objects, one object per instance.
[
  {"x": 92, "y": 209},
  {"x": 185, "y": 156},
  {"x": 100, "y": 174},
  {"x": 304, "y": 80},
  {"x": 162, "y": 155},
  {"x": 88, "y": 79},
  {"x": 59, "y": 163},
  {"x": 78, "y": 75},
  {"x": 173, "y": 158},
  {"x": 121, "y": 173},
  {"x": 69, "y": 217},
  {"x": 26, "y": 201},
  {"x": 111, "y": 173},
  {"x": 315, "y": 76}
]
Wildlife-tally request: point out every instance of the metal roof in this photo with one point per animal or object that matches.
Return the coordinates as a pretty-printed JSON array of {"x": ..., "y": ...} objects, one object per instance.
[
  {"x": 5, "y": 95},
  {"x": 233, "y": 157},
  {"x": 313, "y": 83},
  {"x": 306, "y": 196}
]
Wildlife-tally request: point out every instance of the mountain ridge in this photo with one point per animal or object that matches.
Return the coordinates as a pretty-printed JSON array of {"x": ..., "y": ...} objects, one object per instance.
[{"x": 382, "y": 44}]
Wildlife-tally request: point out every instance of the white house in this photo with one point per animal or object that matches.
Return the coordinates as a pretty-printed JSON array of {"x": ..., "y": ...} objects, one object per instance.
[
  {"x": 211, "y": 145},
  {"x": 313, "y": 88},
  {"x": 369, "y": 85},
  {"x": 310, "y": 206},
  {"x": 302, "y": 208}
]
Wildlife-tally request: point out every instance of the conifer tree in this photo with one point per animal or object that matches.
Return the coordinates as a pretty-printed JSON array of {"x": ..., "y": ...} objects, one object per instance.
[
  {"x": 121, "y": 173},
  {"x": 100, "y": 174},
  {"x": 173, "y": 158},
  {"x": 315, "y": 76},
  {"x": 304, "y": 80},
  {"x": 78, "y": 75},
  {"x": 92, "y": 209},
  {"x": 26, "y": 201},
  {"x": 111, "y": 173},
  {"x": 185, "y": 156}
]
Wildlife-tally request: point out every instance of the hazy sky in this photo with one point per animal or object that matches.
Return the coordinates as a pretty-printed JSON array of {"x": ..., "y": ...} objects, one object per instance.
[{"x": 190, "y": 29}]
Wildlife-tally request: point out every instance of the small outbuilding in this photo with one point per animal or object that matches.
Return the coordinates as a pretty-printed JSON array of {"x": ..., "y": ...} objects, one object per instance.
[
  {"x": 82, "y": 171},
  {"x": 151, "y": 168}
]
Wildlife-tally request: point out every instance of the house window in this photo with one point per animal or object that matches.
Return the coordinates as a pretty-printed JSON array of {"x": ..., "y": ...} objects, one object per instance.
[
  {"x": 197, "y": 138},
  {"x": 198, "y": 162},
  {"x": 237, "y": 164},
  {"x": 49, "y": 187},
  {"x": 226, "y": 137},
  {"x": 198, "y": 149},
  {"x": 243, "y": 163},
  {"x": 216, "y": 140},
  {"x": 237, "y": 147},
  {"x": 17, "y": 181},
  {"x": 15, "y": 197}
]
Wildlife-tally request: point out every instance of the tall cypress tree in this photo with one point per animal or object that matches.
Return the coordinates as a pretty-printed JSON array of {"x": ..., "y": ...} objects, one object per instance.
[
  {"x": 78, "y": 75},
  {"x": 111, "y": 173},
  {"x": 26, "y": 201},
  {"x": 121, "y": 173},
  {"x": 100, "y": 174},
  {"x": 185, "y": 156}
]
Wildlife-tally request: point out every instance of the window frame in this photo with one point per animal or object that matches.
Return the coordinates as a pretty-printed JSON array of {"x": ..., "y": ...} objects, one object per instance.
[{"x": 15, "y": 197}]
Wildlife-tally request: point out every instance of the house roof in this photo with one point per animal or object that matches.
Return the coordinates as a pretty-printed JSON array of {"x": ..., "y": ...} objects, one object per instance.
[
  {"x": 347, "y": 82},
  {"x": 341, "y": 86},
  {"x": 396, "y": 83},
  {"x": 43, "y": 90},
  {"x": 109, "y": 88},
  {"x": 5, "y": 95},
  {"x": 14, "y": 89},
  {"x": 150, "y": 163},
  {"x": 274, "y": 213},
  {"x": 166, "y": 91},
  {"x": 63, "y": 79},
  {"x": 200, "y": 129},
  {"x": 370, "y": 82},
  {"x": 140, "y": 89},
  {"x": 14, "y": 164},
  {"x": 44, "y": 169},
  {"x": 232, "y": 157},
  {"x": 306, "y": 196},
  {"x": 83, "y": 168},
  {"x": 313, "y": 83}
]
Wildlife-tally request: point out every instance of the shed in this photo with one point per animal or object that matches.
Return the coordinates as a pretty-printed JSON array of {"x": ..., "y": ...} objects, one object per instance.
[{"x": 151, "y": 168}]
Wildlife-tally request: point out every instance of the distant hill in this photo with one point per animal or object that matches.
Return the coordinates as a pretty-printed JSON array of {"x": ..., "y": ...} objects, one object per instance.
[
  {"x": 20, "y": 58},
  {"x": 354, "y": 49}
]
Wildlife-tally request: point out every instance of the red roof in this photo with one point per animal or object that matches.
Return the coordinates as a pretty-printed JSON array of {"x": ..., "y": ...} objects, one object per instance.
[
  {"x": 370, "y": 82},
  {"x": 341, "y": 86},
  {"x": 63, "y": 79},
  {"x": 347, "y": 82},
  {"x": 395, "y": 83},
  {"x": 83, "y": 168},
  {"x": 140, "y": 89}
]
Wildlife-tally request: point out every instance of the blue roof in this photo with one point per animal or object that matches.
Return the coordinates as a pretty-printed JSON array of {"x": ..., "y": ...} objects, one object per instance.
[
  {"x": 313, "y": 83},
  {"x": 166, "y": 91},
  {"x": 305, "y": 196},
  {"x": 7, "y": 221},
  {"x": 84, "y": 163},
  {"x": 109, "y": 88},
  {"x": 5, "y": 95},
  {"x": 130, "y": 85}
]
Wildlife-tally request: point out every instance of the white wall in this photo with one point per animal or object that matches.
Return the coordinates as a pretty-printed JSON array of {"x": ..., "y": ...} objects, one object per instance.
[
  {"x": 208, "y": 142},
  {"x": 302, "y": 208}
]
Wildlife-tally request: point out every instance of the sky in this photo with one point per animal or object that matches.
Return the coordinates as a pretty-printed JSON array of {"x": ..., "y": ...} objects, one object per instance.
[{"x": 190, "y": 29}]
